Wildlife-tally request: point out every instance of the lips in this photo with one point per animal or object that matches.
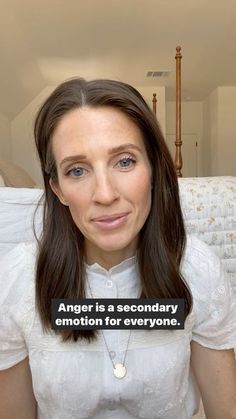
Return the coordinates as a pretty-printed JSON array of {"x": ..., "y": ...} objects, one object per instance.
[
  {"x": 110, "y": 217},
  {"x": 110, "y": 222}
]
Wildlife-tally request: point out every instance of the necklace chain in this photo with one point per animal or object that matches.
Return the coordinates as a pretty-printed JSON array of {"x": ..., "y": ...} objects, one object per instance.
[
  {"x": 126, "y": 350},
  {"x": 119, "y": 369}
]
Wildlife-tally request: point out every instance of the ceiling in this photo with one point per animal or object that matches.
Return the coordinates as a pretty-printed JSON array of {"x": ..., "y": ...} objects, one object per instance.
[{"x": 43, "y": 42}]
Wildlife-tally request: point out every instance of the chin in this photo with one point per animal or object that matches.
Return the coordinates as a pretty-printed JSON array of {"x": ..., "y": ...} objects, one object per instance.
[{"x": 114, "y": 245}]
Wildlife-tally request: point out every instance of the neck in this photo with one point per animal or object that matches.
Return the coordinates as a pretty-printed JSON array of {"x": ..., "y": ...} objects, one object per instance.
[{"x": 108, "y": 259}]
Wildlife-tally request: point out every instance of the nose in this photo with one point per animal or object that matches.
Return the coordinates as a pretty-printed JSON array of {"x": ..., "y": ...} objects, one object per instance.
[{"x": 105, "y": 190}]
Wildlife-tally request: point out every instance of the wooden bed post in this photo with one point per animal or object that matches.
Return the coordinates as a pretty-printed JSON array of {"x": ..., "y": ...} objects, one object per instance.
[
  {"x": 178, "y": 142},
  {"x": 154, "y": 103}
]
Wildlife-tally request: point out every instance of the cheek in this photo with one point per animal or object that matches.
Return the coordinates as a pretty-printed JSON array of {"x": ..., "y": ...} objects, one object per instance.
[
  {"x": 78, "y": 201},
  {"x": 78, "y": 210},
  {"x": 139, "y": 193},
  {"x": 140, "y": 186}
]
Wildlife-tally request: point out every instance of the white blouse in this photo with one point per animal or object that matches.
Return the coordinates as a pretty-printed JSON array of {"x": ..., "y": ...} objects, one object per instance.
[{"x": 76, "y": 380}]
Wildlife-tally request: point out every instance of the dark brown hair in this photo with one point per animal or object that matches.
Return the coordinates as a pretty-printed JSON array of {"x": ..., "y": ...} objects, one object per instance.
[{"x": 60, "y": 269}]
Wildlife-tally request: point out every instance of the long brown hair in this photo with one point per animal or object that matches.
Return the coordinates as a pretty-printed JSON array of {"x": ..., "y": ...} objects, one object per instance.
[{"x": 60, "y": 266}]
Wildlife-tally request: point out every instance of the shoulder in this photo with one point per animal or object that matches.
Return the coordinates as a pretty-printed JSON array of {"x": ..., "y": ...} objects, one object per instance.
[
  {"x": 22, "y": 254},
  {"x": 17, "y": 308},
  {"x": 199, "y": 263},
  {"x": 22, "y": 248},
  {"x": 196, "y": 250},
  {"x": 214, "y": 303},
  {"x": 17, "y": 271},
  {"x": 202, "y": 271}
]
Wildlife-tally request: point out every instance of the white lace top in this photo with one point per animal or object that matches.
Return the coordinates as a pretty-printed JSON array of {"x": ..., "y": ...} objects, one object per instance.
[{"x": 75, "y": 380}]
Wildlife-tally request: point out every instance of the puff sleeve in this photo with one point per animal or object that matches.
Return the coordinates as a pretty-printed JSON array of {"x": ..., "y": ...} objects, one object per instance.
[
  {"x": 214, "y": 301},
  {"x": 16, "y": 305}
]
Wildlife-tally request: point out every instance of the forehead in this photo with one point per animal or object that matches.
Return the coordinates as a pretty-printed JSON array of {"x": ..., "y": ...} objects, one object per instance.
[{"x": 87, "y": 128}]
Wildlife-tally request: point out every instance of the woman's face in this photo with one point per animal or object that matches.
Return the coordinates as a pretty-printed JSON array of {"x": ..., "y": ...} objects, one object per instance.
[{"x": 104, "y": 177}]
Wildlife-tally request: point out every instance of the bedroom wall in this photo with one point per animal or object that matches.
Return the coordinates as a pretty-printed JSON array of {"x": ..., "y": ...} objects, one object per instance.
[
  {"x": 23, "y": 151},
  {"x": 219, "y": 130},
  {"x": 227, "y": 131},
  {"x": 23, "y": 148},
  {"x": 192, "y": 127},
  {"x": 210, "y": 134},
  {"x": 5, "y": 138}
]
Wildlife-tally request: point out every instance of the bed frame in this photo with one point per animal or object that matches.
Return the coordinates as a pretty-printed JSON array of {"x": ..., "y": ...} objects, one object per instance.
[{"x": 178, "y": 142}]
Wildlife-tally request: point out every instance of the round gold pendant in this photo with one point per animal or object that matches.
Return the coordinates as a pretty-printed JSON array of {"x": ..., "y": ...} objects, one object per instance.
[{"x": 119, "y": 371}]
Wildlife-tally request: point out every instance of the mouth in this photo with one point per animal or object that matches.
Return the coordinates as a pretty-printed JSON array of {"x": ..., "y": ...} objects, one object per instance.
[
  {"x": 108, "y": 222},
  {"x": 110, "y": 217}
]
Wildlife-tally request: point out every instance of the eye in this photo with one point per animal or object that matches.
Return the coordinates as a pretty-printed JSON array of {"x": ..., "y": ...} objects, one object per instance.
[
  {"x": 126, "y": 162},
  {"x": 76, "y": 172}
]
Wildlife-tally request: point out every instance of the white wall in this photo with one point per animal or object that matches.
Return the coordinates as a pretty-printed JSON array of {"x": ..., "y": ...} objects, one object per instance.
[
  {"x": 23, "y": 148},
  {"x": 227, "y": 131},
  {"x": 210, "y": 134},
  {"x": 192, "y": 127},
  {"x": 220, "y": 132},
  {"x": 5, "y": 138}
]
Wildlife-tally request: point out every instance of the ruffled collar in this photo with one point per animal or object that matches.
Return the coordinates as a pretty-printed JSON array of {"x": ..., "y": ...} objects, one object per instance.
[{"x": 121, "y": 267}]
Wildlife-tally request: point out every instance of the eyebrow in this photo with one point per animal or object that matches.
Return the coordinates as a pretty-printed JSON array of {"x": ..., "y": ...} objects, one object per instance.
[{"x": 113, "y": 150}]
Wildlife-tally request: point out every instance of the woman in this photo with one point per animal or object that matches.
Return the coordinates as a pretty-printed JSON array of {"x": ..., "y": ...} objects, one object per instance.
[{"x": 112, "y": 228}]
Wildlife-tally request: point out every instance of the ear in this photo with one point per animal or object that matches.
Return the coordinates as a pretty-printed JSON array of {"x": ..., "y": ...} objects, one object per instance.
[{"x": 57, "y": 191}]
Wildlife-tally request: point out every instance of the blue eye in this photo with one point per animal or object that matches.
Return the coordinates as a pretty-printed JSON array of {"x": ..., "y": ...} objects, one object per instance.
[
  {"x": 127, "y": 162},
  {"x": 75, "y": 171}
]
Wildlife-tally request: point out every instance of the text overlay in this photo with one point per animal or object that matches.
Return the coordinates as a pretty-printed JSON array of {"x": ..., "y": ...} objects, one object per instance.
[{"x": 104, "y": 313}]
